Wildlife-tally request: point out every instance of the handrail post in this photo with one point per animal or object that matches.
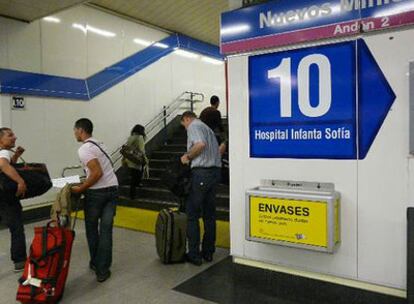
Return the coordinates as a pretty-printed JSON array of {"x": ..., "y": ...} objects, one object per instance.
[
  {"x": 165, "y": 125},
  {"x": 192, "y": 101}
]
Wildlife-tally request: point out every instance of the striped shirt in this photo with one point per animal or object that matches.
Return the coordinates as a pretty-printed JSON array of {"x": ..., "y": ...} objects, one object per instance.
[{"x": 198, "y": 131}]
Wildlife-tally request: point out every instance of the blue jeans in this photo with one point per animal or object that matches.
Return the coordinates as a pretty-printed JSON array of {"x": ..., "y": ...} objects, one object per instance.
[
  {"x": 202, "y": 203},
  {"x": 11, "y": 214},
  {"x": 100, "y": 208}
]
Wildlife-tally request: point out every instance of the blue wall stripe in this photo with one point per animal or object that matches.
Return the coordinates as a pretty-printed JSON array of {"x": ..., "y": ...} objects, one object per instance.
[
  {"x": 25, "y": 83},
  {"x": 198, "y": 46},
  {"x": 36, "y": 84}
]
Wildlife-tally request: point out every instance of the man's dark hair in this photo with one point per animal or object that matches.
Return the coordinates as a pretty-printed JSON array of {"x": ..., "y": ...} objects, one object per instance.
[
  {"x": 138, "y": 129},
  {"x": 85, "y": 124},
  {"x": 214, "y": 100},
  {"x": 3, "y": 131},
  {"x": 188, "y": 114}
]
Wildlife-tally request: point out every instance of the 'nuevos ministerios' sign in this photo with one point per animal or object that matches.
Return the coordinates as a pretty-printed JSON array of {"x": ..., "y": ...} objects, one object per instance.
[{"x": 283, "y": 22}]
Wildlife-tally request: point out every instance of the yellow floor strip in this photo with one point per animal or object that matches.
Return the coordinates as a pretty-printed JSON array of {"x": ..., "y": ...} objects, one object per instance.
[{"x": 144, "y": 220}]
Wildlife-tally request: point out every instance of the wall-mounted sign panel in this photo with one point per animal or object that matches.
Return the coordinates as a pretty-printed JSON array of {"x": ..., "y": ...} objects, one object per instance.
[
  {"x": 303, "y": 102},
  {"x": 283, "y": 22},
  {"x": 288, "y": 220},
  {"x": 18, "y": 103},
  {"x": 304, "y": 217}
]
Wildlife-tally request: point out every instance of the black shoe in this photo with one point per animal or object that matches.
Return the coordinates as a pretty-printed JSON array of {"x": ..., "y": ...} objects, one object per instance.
[
  {"x": 103, "y": 277},
  {"x": 19, "y": 266},
  {"x": 92, "y": 267},
  {"x": 194, "y": 261},
  {"x": 208, "y": 257}
]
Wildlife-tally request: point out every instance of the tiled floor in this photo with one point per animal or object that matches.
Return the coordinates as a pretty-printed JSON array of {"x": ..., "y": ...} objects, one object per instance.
[{"x": 137, "y": 274}]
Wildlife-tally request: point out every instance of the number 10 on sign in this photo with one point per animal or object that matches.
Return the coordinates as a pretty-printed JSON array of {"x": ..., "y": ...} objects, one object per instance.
[{"x": 284, "y": 72}]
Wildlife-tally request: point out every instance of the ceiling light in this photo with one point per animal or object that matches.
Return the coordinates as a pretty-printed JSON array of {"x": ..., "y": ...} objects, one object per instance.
[
  {"x": 92, "y": 29},
  {"x": 211, "y": 60},
  {"x": 99, "y": 31},
  {"x": 51, "y": 19},
  {"x": 148, "y": 43},
  {"x": 142, "y": 42},
  {"x": 80, "y": 27},
  {"x": 185, "y": 54},
  {"x": 161, "y": 45},
  {"x": 235, "y": 29}
]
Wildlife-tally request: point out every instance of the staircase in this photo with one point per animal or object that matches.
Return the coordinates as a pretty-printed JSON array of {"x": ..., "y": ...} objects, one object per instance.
[
  {"x": 152, "y": 194},
  {"x": 168, "y": 138}
]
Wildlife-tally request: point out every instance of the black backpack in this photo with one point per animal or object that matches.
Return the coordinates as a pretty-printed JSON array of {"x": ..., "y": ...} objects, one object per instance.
[{"x": 177, "y": 178}]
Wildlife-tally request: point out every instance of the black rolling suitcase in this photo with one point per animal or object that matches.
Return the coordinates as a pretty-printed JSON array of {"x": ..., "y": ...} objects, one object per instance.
[
  {"x": 170, "y": 235},
  {"x": 171, "y": 225}
]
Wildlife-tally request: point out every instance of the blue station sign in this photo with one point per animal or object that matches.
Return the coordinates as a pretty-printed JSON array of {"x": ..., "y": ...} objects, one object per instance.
[
  {"x": 283, "y": 22},
  {"x": 303, "y": 103}
]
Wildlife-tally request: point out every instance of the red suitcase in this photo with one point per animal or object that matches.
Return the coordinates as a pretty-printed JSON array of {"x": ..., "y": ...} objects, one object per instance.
[{"x": 47, "y": 266}]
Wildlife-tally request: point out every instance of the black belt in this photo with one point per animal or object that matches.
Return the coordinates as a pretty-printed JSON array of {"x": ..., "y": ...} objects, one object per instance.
[{"x": 204, "y": 168}]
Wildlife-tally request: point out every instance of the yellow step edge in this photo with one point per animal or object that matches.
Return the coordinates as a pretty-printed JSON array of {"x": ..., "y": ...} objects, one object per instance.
[{"x": 144, "y": 220}]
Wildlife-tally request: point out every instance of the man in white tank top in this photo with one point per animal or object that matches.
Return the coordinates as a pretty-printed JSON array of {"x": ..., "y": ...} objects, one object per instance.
[{"x": 101, "y": 190}]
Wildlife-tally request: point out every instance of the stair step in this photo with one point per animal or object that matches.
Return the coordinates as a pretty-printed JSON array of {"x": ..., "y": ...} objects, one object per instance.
[
  {"x": 156, "y": 193},
  {"x": 223, "y": 189},
  {"x": 151, "y": 182},
  {"x": 156, "y": 172},
  {"x": 157, "y": 205},
  {"x": 165, "y": 154},
  {"x": 155, "y": 183},
  {"x": 158, "y": 163},
  {"x": 174, "y": 147},
  {"x": 151, "y": 204},
  {"x": 178, "y": 140}
]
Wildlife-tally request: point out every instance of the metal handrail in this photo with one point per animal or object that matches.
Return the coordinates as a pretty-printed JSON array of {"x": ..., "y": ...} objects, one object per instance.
[
  {"x": 155, "y": 122},
  {"x": 166, "y": 112},
  {"x": 172, "y": 107},
  {"x": 70, "y": 168}
]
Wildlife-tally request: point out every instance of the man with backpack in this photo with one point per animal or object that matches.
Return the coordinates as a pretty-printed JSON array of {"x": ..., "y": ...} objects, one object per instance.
[{"x": 101, "y": 190}]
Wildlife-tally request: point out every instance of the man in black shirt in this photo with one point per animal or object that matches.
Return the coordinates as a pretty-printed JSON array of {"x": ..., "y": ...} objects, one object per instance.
[{"x": 212, "y": 118}]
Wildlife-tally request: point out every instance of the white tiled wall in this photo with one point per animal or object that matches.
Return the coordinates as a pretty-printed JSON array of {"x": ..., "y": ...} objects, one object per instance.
[
  {"x": 103, "y": 50},
  {"x": 24, "y": 46},
  {"x": 45, "y": 128},
  {"x": 141, "y": 35},
  {"x": 3, "y": 43},
  {"x": 64, "y": 48}
]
